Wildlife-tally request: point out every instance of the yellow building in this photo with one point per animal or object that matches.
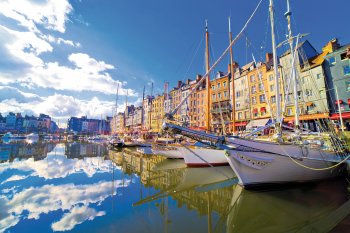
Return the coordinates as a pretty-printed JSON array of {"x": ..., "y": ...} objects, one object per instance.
[{"x": 157, "y": 113}]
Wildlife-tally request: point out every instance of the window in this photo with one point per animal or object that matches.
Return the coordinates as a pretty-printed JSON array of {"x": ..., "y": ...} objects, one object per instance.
[
  {"x": 308, "y": 92},
  {"x": 213, "y": 96},
  {"x": 299, "y": 95},
  {"x": 331, "y": 60},
  {"x": 252, "y": 78},
  {"x": 347, "y": 86},
  {"x": 321, "y": 93},
  {"x": 253, "y": 100},
  {"x": 253, "y": 89},
  {"x": 270, "y": 77},
  {"x": 272, "y": 87},
  {"x": 262, "y": 98},
  {"x": 239, "y": 115},
  {"x": 346, "y": 70},
  {"x": 213, "y": 87},
  {"x": 319, "y": 76},
  {"x": 261, "y": 87},
  {"x": 343, "y": 56},
  {"x": 238, "y": 104},
  {"x": 238, "y": 93},
  {"x": 224, "y": 84},
  {"x": 225, "y": 94},
  {"x": 273, "y": 99},
  {"x": 289, "y": 111},
  {"x": 218, "y": 85},
  {"x": 219, "y": 96}
]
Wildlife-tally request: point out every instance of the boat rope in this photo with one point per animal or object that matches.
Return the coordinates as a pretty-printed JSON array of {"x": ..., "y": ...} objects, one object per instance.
[{"x": 316, "y": 169}]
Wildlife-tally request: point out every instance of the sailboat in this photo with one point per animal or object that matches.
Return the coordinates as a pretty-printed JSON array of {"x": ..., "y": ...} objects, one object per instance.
[
  {"x": 259, "y": 163},
  {"x": 197, "y": 155}
]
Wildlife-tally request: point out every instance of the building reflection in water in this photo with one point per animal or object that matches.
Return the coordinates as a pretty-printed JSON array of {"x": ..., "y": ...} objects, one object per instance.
[
  {"x": 208, "y": 191},
  {"x": 22, "y": 150},
  {"x": 212, "y": 192}
]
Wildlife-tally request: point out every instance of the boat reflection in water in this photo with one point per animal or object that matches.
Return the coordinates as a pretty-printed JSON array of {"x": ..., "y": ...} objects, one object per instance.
[
  {"x": 312, "y": 208},
  {"x": 84, "y": 187}
]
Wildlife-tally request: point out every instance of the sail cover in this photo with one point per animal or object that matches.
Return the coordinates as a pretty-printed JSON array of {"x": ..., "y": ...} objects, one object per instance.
[{"x": 258, "y": 123}]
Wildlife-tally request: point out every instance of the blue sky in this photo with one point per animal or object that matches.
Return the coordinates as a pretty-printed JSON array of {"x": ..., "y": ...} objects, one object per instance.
[{"x": 66, "y": 58}]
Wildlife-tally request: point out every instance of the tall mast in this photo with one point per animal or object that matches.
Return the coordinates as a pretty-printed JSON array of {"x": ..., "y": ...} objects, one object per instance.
[
  {"x": 232, "y": 78},
  {"x": 288, "y": 15},
  {"x": 116, "y": 108},
  {"x": 142, "y": 110},
  {"x": 207, "y": 67},
  {"x": 275, "y": 67},
  {"x": 150, "y": 108}
]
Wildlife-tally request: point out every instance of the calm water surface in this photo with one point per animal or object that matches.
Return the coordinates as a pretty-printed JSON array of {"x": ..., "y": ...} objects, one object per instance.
[{"x": 46, "y": 187}]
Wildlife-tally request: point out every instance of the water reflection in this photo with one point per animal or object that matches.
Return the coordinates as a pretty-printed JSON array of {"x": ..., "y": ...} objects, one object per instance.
[
  {"x": 312, "y": 208},
  {"x": 48, "y": 181},
  {"x": 82, "y": 187}
]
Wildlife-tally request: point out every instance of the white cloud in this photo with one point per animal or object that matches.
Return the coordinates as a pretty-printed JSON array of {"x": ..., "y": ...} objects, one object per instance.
[
  {"x": 57, "y": 166},
  {"x": 51, "y": 14},
  {"x": 77, "y": 215},
  {"x": 8, "y": 92},
  {"x": 14, "y": 178},
  {"x": 58, "y": 106},
  {"x": 35, "y": 201}
]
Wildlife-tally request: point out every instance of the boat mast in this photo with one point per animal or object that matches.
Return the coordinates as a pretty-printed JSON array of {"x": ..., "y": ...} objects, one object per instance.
[
  {"x": 290, "y": 41},
  {"x": 232, "y": 78},
  {"x": 207, "y": 67},
  {"x": 116, "y": 109},
  {"x": 275, "y": 67}
]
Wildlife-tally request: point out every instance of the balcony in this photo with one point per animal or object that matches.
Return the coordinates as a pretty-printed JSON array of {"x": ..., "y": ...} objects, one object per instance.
[{"x": 223, "y": 110}]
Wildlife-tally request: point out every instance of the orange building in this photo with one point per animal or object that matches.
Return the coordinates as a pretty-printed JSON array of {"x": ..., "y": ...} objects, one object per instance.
[{"x": 220, "y": 106}]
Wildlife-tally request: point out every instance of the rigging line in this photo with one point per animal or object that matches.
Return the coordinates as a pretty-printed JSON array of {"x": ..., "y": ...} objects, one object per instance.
[
  {"x": 195, "y": 54},
  {"x": 223, "y": 54}
]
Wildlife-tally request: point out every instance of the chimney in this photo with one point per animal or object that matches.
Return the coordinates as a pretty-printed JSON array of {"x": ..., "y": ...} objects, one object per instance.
[
  {"x": 269, "y": 58},
  {"x": 179, "y": 84}
]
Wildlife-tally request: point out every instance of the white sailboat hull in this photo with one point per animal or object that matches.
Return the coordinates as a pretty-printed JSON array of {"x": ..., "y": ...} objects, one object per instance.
[
  {"x": 170, "y": 152},
  {"x": 203, "y": 157},
  {"x": 263, "y": 168}
]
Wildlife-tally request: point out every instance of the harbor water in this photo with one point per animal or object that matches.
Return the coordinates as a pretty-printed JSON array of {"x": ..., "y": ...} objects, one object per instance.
[{"x": 87, "y": 187}]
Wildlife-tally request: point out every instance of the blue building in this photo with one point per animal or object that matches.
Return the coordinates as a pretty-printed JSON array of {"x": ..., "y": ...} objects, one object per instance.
[{"x": 337, "y": 69}]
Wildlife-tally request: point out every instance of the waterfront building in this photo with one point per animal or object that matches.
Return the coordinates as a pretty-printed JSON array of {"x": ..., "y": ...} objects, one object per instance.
[
  {"x": 176, "y": 97},
  {"x": 311, "y": 85},
  {"x": 198, "y": 105},
  {"x": 242, "y": 97},
  {"x": 184, "y": 109},
  {"x": 220, "y": 105},
  {"x": 129, "y": 118},
  {"x": 147, "y": 112},
  {"x": 157, "y": 113},
  {"x": 10, "y": 121},
  {"x": 88, "y": 126},
  {"x": 337, "y": 69}
]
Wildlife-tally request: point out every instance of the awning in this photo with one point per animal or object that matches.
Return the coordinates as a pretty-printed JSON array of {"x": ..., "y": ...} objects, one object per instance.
[
  {"x": 243, "y": 123},
  {"x": 344, "y": 115},
  {"x": 307, "y": 117},
  {"x": 309, "y": 104},
  {"x": 258, "y": 123},
  {"x": 348, "y": 101},
  {"x": 338, "y": 101},
  {"x": 262, "y": 109},
  {"x": 255, "y": 110}
]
